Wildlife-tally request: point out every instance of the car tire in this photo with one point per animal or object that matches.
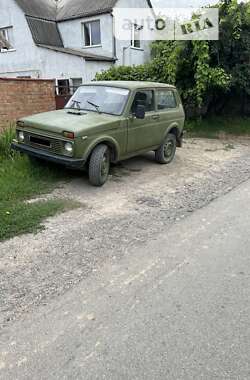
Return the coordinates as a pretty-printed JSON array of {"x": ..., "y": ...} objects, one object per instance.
[
  {"x": 166, "y": 152},
  {"x": 99, "y": 165}
]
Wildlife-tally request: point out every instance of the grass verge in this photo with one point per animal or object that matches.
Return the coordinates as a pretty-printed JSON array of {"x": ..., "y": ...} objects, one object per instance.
[
  {"x": 19, "y": 218},
  {"x": 215, "y": 127},
  {"x": 21, "y": 180}
]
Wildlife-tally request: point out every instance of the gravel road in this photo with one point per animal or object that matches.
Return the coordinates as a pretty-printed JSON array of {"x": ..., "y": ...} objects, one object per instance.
[{"x": 140, "y": 201}]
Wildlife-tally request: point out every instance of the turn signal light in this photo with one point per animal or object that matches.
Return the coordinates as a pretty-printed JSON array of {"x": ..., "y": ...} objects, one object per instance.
[{"x": 69, "y": 135}]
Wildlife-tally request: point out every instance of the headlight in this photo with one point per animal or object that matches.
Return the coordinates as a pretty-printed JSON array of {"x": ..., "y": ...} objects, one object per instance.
[
  {"x": 21, "y": 136},
  {"x": 68, "y": 147}
]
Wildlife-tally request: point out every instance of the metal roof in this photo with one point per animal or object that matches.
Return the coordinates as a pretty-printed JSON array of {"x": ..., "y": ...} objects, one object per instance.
[
  {"x": 42, "y": 17},
  {"x": 44, "y": 32},
  {"x": 45, "y": 9},
  {"x": 66, "y": 9},
  {"x": 69, "y": 9},
  {"x": 79, "y": 53}
]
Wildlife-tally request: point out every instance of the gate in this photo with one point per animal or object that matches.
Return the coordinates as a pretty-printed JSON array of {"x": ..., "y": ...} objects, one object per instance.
[{"x": 62, "y": 95}]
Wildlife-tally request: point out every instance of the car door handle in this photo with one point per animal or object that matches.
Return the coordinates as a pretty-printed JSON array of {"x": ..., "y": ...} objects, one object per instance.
[{"x": 156, "y": 117}]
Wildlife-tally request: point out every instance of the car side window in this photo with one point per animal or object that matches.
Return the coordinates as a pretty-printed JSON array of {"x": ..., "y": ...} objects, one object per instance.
[
  {"x": 166, "y": 99},
  {"x": 145, "y": 98}
]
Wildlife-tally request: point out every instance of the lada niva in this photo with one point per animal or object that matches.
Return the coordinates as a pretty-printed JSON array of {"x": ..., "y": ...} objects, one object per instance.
[{"x": 106, "y": 122}]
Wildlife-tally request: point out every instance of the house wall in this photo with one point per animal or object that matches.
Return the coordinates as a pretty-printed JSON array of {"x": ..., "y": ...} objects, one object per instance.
[
  {"x": 59, "y": 65},
  {"x": 26, "y": 59},
  {"x": 94, "y": 67},
  {"x": 23, "y": 97},
  {"x": 126, "y": 54},
  {"x": 72, "y": 34}
]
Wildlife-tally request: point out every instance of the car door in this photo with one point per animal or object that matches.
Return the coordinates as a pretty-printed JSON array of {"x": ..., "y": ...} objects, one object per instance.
[
  {"x": 141, "y": 132},
  {"x": 168, "y": 109}
]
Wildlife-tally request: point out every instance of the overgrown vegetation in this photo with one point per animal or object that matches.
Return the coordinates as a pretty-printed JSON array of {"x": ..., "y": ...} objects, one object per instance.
[
  {"x": 212, "y": 76},
  {"x": 216, "y": 127},
  {"x": 20, "y": 180}
]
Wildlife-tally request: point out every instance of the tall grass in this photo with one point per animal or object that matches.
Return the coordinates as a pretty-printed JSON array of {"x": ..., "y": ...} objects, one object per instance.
[
  {"x": 213, "y": 127},
  {"x": 6, "y": 137},
  {"x": 21, "y": 180}
]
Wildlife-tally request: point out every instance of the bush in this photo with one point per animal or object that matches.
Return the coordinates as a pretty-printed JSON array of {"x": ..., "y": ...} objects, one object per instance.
[{"x": 208, "y": 74}]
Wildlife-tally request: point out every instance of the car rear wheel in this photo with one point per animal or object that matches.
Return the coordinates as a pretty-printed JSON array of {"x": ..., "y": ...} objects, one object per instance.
[
  {"x": 166, "y": 152},
  {"x": 99, "y": 165}
]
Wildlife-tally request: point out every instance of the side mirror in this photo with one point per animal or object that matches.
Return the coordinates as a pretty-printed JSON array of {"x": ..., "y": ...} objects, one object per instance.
[{"x": 140, "y": 112}]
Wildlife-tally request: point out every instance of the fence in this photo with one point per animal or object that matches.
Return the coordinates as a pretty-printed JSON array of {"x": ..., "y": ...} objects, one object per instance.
[{"x": 23, "y": 97}]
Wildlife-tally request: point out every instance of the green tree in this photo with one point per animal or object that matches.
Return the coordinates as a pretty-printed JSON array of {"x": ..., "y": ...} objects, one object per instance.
[{"x": 206, "y": 72}]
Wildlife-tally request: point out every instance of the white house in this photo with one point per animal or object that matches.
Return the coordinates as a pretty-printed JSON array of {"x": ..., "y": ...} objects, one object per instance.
[{"x": 67, "y": 40}]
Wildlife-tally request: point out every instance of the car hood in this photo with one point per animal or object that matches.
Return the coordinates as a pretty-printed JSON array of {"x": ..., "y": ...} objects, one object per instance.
[{"x": 68, "y": 120}]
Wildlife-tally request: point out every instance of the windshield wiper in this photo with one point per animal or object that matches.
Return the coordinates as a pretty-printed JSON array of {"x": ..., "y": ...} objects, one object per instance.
[
  {"x": 94, "y": 105},
  {"x": 76, "y": 104}
]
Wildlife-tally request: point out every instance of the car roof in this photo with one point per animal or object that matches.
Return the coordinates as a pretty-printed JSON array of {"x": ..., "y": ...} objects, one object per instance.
[{"x": 131, "y": 85}]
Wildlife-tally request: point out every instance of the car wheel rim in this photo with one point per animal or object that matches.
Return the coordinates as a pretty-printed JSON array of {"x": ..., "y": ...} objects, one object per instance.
[{"x": 168, "y": 149}]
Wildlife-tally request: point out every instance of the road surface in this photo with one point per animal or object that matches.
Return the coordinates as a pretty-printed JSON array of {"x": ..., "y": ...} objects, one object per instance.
[{"x": 176, "y": 308}]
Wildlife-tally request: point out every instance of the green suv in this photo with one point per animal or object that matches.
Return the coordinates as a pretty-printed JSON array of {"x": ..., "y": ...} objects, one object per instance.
[{"x": 106, "y": 122}]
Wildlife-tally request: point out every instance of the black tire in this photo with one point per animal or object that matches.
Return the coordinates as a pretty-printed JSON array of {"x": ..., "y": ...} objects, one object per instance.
[
  {"x": 166, "y": 152},
  {"x": 99, "y": 165}
]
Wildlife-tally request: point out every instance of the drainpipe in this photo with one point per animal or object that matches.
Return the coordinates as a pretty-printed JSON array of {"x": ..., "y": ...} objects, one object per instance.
[
  {"x": 114, "y": 38},
  {"x": 123, "y": 54}
]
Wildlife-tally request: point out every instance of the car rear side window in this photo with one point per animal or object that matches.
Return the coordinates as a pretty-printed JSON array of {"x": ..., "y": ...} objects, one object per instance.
[
  {"x": 145, "y": 98},
  {"x": 166, "y": 99}
]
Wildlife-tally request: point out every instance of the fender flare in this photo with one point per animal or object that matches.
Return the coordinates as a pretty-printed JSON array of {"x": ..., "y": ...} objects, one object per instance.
[
  {"x": 174, "y": 125},
  {"x": 179, "y": 133},
  {"x": 106, "y": 140}
]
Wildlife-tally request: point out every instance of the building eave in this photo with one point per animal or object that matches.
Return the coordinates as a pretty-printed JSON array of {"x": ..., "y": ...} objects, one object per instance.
[{"x": 78, "y": 53}]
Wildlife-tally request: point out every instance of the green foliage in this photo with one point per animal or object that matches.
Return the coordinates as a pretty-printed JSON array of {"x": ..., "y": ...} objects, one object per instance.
[
  {"x": 21, "y": 180},
  {"x": 6, "y": 137},
  {"x": 213, "y": 127},
  {"x": 20, "y": 218},
  {"x": 203, "y": 71}
]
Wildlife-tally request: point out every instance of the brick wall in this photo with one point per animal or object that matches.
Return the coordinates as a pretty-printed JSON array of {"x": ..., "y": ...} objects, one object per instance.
[{"x": 23, "y": 97}]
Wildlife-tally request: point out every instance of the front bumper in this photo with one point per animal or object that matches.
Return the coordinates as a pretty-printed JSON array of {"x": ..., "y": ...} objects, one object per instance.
[{"x": 38, "y": 153}]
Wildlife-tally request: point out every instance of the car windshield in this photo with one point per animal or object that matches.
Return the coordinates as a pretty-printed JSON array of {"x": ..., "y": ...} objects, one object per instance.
[{"x": 102, "y": 99}]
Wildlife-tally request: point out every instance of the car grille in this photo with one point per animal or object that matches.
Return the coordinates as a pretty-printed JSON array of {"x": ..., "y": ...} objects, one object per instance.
[{"x": 44, "y": 143}]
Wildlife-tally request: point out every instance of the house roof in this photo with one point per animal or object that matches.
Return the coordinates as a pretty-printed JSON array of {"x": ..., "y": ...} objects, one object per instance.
[
  {"x": 44, "y": 31},
  {"x": 42, "y": 17},
  {"x": 79, "y": 53},
  {"x": 45, "y": 9},
  {"x": 69, "y": 9},
  {"x": 66, "y": 9}
]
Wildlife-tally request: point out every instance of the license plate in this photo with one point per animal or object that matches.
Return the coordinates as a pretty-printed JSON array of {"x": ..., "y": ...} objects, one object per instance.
[{"x": 40, "y": 141}]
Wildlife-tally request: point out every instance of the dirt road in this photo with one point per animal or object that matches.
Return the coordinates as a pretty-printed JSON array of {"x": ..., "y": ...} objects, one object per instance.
[{"x": 139, "y": 202}]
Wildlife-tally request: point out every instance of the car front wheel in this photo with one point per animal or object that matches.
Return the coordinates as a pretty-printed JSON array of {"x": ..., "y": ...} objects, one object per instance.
[
  {"x": 166, "y": 152},
  {"x": 99, "y": 165}
]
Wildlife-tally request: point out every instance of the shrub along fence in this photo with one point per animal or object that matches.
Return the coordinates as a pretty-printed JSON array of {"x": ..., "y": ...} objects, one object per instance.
[{"x": 23, "y": 97}]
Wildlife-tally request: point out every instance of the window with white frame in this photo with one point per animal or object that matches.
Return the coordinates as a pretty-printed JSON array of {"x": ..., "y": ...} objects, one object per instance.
[
  {"x": 92, "y": 33},
  {"x": 75, "y": 82},
  {"x": 136, "y": 36},
  {"x": 6, "y": 39}
]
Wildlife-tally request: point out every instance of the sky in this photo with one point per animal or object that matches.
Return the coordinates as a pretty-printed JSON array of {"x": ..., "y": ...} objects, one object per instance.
[{"x": 181, "y": 3}]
